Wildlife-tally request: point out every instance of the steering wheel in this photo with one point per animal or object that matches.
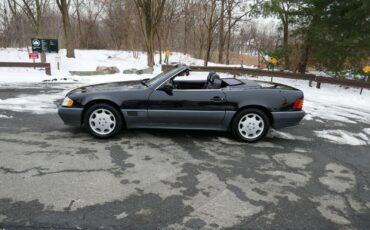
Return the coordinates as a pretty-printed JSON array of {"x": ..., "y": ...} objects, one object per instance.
[{"x": 172, "y": 83}]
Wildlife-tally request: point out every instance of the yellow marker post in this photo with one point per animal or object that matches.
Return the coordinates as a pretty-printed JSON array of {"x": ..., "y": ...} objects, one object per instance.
[
  {"x": 366, "y": 69},
  {"x": 274, "y": 60},
  {"x": 167, "y": 54}
]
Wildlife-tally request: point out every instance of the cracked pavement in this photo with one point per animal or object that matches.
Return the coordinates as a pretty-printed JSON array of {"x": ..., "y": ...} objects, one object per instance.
[{"x": 59, "y": 177}]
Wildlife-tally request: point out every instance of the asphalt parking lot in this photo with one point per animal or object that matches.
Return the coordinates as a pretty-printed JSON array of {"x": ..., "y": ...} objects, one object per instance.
[{"x": 59, "y": 177}]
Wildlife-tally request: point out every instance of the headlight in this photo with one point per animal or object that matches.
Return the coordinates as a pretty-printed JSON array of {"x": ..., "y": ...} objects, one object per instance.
[{"x": 67, "y": 102}]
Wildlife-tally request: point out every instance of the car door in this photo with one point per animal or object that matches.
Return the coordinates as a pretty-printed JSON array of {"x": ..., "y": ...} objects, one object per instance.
[{"x": 192, "y": 107}]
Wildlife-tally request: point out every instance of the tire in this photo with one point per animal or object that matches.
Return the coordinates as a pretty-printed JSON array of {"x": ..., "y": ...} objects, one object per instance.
[
  {"x": 103, "y": 120},
  {"x": 250, "y": 125}
]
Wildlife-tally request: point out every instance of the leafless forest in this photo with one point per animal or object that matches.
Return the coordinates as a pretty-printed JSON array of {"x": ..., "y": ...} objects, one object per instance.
[{"x": 223, "y": 31}]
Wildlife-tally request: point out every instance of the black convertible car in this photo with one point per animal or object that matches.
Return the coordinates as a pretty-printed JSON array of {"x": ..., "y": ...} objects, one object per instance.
[{"x": 171, "y": 101}]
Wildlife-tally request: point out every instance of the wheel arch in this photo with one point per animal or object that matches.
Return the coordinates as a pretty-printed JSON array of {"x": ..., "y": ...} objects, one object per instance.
[
  {"x": 260, "y": 107},
  {"x": 101, "y": 101}
]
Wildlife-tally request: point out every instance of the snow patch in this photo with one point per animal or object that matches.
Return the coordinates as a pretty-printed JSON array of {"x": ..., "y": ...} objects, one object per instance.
[
  {"x": 287, "y": 136},
  {"x": 299, "y": 150},
  {"x": 38, "y": 104},
  {"x": 293, "y": 160},
  {"x": 5, "y": 116},
  {"x": 226, "y": 210},
  {"x": 338, "y": 178},
  {"x": 367, "y": 131},
  {"x": 121, "y": 216},
  {"x": 343, "y": 137},
  {"x": 260, "y": 144},
  {"x": 332, "y": 208},
  {"x": 64, "y": 80}
]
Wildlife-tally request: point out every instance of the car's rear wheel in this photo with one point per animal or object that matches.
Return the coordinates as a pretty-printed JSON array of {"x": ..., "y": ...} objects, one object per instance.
[
  {"x": 250, "y": 125},
  {"x": 103, "y": 120}
]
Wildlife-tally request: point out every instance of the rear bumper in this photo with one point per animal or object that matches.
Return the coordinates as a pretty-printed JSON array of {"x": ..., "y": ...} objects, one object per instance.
[
  {"x": 286, "y": 119},
  {"x": 71, "y": 116}
]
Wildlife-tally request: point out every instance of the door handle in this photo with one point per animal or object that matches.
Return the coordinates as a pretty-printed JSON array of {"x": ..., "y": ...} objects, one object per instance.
[{"x": 217, "y": 98}]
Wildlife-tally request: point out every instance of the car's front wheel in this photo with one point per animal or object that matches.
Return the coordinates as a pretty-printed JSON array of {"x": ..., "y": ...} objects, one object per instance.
[
  {"x": 250, "y": 125},
  {"x": 103, "y": 120}
]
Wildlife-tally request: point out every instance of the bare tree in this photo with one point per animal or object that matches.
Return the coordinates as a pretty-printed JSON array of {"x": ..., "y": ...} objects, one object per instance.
[
  {"x": 232, "y": 21},
  {"x": 63, "y": 6},
  {"x": 150, "y": 12},
  {"x": 3, "y": 23},
  {"x": 211, "y": 24},
  {"x": 77, "y": 6},
  {"x": 194, "y": 27},
  {"x": 221, "y": 36},
  {"x": 35, "y": 11}
]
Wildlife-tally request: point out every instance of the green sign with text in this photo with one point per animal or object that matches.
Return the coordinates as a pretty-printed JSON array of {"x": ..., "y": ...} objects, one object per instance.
[{"x": 44, "y": 45}]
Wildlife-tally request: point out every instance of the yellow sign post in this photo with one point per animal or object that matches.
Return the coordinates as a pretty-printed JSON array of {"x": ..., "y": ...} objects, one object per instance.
[
  {"x": 274, "y": 60},
  {"x": 366, "y": 69},
  {"x": 167, "y": 54}
]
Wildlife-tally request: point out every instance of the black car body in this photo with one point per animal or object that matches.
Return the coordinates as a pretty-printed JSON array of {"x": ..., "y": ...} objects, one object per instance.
[{"x": 165, "y": 102}]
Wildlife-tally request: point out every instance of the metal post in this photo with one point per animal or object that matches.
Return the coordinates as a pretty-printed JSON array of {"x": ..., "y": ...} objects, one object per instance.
[{"x": 48, "y": 69}]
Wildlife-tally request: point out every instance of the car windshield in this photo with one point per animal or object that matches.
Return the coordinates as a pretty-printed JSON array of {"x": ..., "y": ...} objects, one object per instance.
[{"x": 160, "y": 77}]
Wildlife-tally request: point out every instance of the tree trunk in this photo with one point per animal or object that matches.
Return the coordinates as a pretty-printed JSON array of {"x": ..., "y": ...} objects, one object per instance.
[
  {"x": 208, "y": 47},
  {"x": 149, "y": 44},
  {"x": 208, "y": 51},
  {"x": 151, "y": 12},
  {"x": 228, "y": 48},
  {"x": 68, "y": 36},
  {"x": 302, "y": 66},
  {"x": 79, "y": 43},
  {"x": 221, "y": 33},
  {"x": 160, "y": 47},
  {"x": 63, "y": 6},
  {"x": 228, "y": 35},
  {"x": 200, "y": 49},
  {"x": 186, "y": 29},
  {"x": 43, "y": 57},
  {"x": 286, "y": 45}
]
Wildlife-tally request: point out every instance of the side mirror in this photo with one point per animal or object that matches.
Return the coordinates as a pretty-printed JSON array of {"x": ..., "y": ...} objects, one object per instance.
[{"x": 167, "y": 88}]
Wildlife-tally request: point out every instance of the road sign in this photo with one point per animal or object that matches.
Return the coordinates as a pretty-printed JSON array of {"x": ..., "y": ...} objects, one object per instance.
[
  {"x": 274, "y": 60},
  {"x": 36, "y": 46},
  {"x": 366, "y": 69},
  {"x": 44, "y": 45},
  {"x": 167, "y": 53},
  {"x": 33, "y": 56}
]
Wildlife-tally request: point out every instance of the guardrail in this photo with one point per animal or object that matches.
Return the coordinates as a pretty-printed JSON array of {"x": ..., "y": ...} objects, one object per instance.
[
  {"x": 282, "y": 74},
  {"x": 28, "y": 65}
]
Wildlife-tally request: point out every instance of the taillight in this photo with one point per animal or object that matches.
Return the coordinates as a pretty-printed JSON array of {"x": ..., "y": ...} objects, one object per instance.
[{"x": 298, "y": 104}]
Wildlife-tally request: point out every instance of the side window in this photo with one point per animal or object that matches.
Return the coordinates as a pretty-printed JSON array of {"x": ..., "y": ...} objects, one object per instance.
[{"x": 191, "y": 81}]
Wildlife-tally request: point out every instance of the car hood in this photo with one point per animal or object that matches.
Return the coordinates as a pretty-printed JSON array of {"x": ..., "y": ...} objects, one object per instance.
[{"x": 109, "y": 87}]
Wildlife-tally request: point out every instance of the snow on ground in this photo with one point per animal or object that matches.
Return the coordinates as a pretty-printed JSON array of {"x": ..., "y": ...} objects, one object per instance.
[
  {"x": 38, "y": 104},
  {"x": 344, "y": 137},
  {"x": 340, "y": 104},
  {"x": 86, "y": 60},
  {"x": 2, "y": 116}
]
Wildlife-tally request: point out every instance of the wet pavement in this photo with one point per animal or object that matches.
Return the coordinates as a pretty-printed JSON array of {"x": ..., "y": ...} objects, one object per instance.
[{"x": 59, "y": 177}]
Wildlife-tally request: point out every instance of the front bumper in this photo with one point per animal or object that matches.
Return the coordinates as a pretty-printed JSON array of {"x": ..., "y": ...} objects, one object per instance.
[
  {"x": 286, "y": 119},
  {"x": 71, "y": 116}
]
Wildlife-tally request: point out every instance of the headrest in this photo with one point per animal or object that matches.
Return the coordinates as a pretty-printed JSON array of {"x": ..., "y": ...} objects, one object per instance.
[
  {"x": 210, "y": 75},
  {"x": 214, "y": 77}
]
